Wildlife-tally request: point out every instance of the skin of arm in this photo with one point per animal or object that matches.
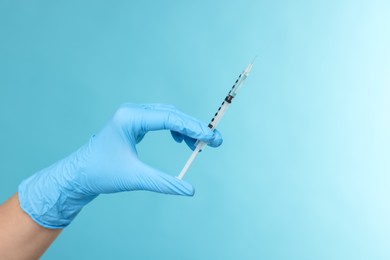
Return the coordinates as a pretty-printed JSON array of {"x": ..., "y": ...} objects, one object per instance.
[{"x": 20, "y": 236}]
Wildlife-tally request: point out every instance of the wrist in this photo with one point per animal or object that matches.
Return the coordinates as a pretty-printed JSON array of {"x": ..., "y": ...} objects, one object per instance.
[{"x": 53, "y": 196}]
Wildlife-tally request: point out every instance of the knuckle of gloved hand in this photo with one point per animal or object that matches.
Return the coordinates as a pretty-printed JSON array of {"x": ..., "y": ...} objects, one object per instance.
[
  {"x": 123, "y": 113},
  {"x": 172, "y": 107}
]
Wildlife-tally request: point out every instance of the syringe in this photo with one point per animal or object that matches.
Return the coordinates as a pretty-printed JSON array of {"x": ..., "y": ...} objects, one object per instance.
[{"x": 217, "y": 117}]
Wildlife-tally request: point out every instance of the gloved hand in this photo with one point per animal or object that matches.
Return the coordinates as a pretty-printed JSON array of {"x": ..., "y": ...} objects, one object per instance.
[{"x": 109, "y": 163}]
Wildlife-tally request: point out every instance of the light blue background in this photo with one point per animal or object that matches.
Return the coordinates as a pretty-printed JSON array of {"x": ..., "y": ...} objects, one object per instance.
[{"x": 304, "y": 169}]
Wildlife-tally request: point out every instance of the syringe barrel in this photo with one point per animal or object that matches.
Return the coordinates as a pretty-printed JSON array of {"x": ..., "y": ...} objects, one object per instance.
[
  {"x": 228, "y": 100},
  {"x": 218, "y": 115},
  {"x": 236, "y": 87}
]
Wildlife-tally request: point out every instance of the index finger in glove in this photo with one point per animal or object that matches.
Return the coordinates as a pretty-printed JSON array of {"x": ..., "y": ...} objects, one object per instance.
[
  {"x": 160, "y": 118},
  {"x": 152, "y": 117}
]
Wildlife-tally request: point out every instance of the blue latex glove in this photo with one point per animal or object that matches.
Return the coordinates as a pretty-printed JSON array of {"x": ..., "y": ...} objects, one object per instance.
[{"x": 109, "y": 163}]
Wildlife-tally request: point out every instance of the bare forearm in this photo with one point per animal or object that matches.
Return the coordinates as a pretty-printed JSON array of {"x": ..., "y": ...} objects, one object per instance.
[{"x": 20, "y": 236}]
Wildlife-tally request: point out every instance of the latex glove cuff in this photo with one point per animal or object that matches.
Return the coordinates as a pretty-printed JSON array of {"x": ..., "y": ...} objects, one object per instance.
[{"x": 52, "y": 202}]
